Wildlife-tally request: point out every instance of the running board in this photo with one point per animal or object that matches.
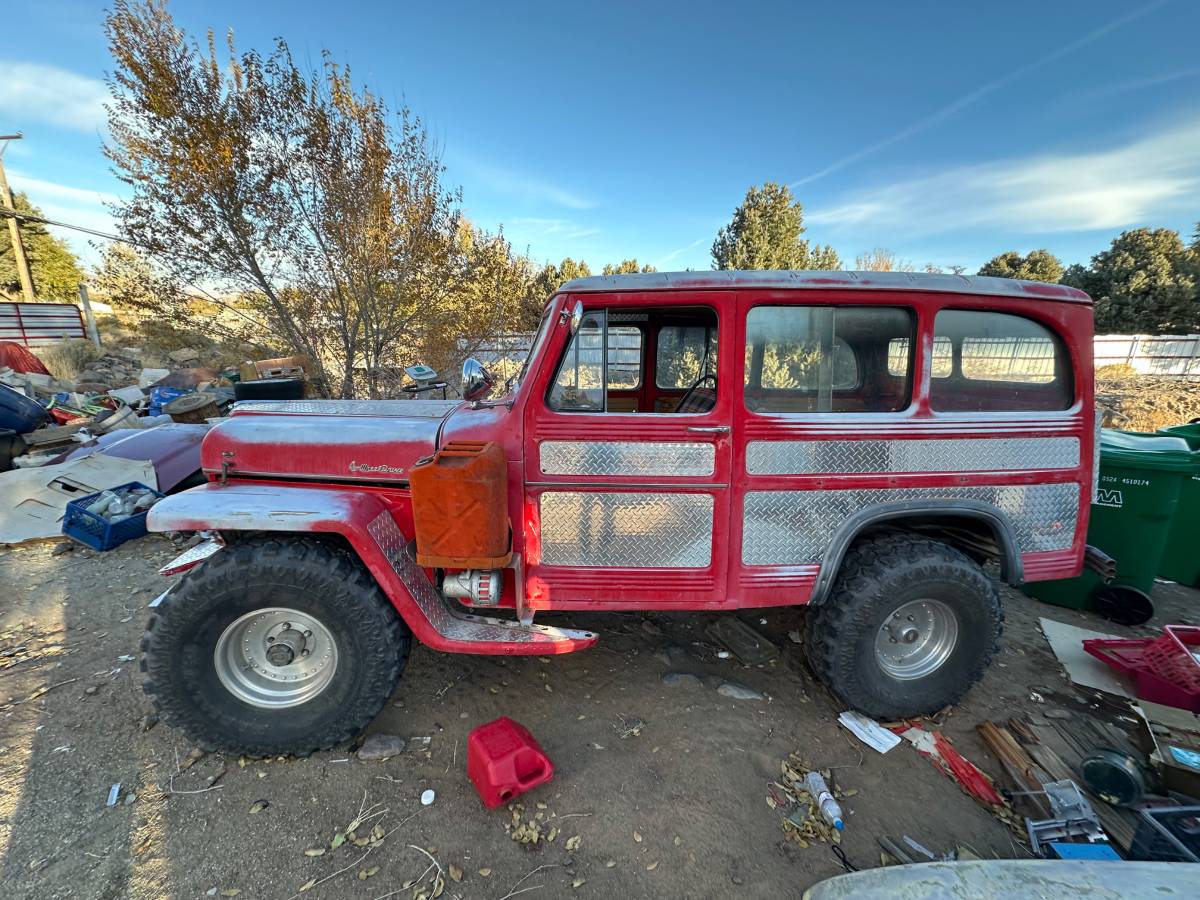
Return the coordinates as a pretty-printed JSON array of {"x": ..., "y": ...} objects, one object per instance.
[{"x": 459, "y": 631}]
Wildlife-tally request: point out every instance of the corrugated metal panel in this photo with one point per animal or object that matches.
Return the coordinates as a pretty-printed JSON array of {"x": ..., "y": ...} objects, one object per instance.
[{"x": 38, "y": 324}]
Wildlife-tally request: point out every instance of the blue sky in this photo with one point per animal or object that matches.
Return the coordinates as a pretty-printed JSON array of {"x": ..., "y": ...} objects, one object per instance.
[{"x": 947, "y": 132}]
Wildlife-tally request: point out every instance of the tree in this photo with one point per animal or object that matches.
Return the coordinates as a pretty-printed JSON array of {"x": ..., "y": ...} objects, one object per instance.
[
  {"x": 881, "y": 259},
  {"x": 1037, "y": 265},
  {"x": 55, "y": 269},
  {"x": 299, "y": 193},
  {"x": 128, "y": 280},
  {"x": 1145, "y": 283},
  {"x": 765, "y": 233},
  {"x": 627, "y": 267}
]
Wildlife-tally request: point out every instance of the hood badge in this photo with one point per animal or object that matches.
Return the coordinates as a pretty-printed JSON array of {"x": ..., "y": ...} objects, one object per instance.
[{"x": 364, "y": 467}]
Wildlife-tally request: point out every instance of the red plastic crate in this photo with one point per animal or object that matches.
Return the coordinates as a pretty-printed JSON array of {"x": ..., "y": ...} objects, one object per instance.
[
  {"x": 1163, "y": 668},
  {"x": 504, "y": 760}
]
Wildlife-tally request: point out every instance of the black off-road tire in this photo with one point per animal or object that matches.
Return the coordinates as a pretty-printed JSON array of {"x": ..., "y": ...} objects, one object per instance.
[
  {"x": 879, "y": 575},
  {"x": 310, "y": 575}
]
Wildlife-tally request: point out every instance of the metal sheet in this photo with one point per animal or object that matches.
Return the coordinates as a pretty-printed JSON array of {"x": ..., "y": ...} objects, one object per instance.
[
  {"x": 795, "y": 527},
  {"x": 626, "y": 529},
  {"x": 626, "y": 458},
  {"x": 932, "y": 455},
  {"x": 415, "y": 409}
]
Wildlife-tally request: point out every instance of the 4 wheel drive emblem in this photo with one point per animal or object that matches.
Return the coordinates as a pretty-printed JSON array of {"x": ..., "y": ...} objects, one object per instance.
[{"x": 364, "y": 467}]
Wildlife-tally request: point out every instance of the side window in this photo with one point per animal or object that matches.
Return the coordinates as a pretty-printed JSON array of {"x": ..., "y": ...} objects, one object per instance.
[
  {"x": 943, "y": 357},
  {"x": 802, "y": 359},
  {"x": 1000, "y": 362},
  {"x": 578, "y": 385},
  {"x": 624, "y": 357},
  {"x": 685, "y": 352}
]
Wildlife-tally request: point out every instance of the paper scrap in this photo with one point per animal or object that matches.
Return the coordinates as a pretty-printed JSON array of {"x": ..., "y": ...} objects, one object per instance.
[{"x": 869, "y": 731}]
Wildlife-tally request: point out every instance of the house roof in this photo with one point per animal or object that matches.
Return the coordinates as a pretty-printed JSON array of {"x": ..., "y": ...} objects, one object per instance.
[{"x": 819, "y": 280}]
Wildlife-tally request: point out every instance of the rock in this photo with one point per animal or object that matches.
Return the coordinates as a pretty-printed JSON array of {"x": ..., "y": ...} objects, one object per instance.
[
  {"x": 62, "y": 547},
  {"x": 148, "y": 722},
  {"x": 91, "y": 689},
  {"x": 184, "y": 354},
  {"x": 379, "y": 747},
  {"x": 735, "y": 691},
  {"x": 651, "y": 628},
  {"x": 681, "y": 679}
]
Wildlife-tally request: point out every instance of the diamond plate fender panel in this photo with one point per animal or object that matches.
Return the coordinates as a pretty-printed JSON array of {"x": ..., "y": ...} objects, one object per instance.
[
  {"x": 933, "y": 455},
  {"x": 459, "y": 630},
  {"x": 796, "y": 527}
]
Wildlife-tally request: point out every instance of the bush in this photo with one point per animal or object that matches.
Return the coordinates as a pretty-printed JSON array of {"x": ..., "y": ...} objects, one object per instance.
[
  {"x": 1116, "y": 371},
  {"x": 68, "y": 358}
]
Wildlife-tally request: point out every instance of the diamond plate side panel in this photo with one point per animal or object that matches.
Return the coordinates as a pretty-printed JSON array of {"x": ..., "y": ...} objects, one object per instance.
[
  {"x": 626, "y": 458},
  {"x": 626, "y": 529},
  {"x": 940, "y": 455},
  {"x": 795, "y": 527},
  {"x": 449, "y": 622}
]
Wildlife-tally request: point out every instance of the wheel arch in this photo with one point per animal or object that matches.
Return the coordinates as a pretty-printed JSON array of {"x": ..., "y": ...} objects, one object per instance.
[{"x": 978, "y": 529}]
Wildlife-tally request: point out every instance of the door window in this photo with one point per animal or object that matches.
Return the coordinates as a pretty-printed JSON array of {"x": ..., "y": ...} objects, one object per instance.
[
  {"x": 685, "y": 353},
  {"x": 802, "y": 359}
]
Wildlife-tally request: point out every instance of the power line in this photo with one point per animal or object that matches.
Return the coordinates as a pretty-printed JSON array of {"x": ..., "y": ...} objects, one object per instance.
[{"x": 26, "y": 217}]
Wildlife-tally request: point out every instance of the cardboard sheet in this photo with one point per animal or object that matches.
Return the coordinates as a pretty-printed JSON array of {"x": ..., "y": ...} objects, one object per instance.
[{"x": 1082, "y": 668}]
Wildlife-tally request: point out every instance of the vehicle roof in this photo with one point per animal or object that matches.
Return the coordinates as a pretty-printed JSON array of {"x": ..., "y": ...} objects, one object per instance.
[{"x": 787, "y": 279}]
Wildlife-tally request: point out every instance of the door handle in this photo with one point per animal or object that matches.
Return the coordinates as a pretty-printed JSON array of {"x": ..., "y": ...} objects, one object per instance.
[{"x": 708, "y": 429}]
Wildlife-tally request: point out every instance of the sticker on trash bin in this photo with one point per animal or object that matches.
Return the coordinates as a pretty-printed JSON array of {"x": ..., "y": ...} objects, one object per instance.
[{"x": 1109, "y": 498}]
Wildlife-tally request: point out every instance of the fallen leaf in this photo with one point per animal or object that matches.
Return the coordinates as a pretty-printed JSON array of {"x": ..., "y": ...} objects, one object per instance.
[
  {"x": 610, "y": 864},
  {"x": 485, "y": 872},
  {"x": 231, "y": 892},
  {"x": 678, "y": 840},
  {"x": 377, "y": 832},
  {"x": 574, "y": 842},
  {"x": 338, "y": 840},
  {"x": 194, "y": 756},
  {"x": 456, "y": 874},
  {"x": 258, "y": 806},
  {"x": 578, "y": 882},
  {"x": 315, "y": 851},
  {"x": 307, "y": 886},
  {"x": 652, "y": 866},
  {"x": 637, "y": 837}
]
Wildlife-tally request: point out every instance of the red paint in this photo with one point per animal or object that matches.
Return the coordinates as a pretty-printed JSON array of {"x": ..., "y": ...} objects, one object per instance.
[{"x": 504, "y": 760}]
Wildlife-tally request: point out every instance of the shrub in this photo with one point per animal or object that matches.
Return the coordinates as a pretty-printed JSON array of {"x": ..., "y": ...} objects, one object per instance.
[{"x": 68, "y": 358}]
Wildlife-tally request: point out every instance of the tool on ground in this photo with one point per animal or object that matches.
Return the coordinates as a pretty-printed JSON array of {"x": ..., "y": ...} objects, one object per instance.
[
  {"x": 920, "y": 848},
  {"x": 893, "y": 849}
]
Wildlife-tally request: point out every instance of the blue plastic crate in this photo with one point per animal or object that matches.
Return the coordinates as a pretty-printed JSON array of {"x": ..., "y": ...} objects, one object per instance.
[{"x": 94, "y": 530}]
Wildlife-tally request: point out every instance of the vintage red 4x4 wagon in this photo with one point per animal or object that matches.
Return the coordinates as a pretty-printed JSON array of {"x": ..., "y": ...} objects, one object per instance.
[{"x": 862, "y": 444}]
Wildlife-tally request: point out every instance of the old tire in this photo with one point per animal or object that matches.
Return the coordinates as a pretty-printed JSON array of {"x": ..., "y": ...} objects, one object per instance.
[
  {"x": 910, "y": 625},
  {"x": 216, "y": 651}
]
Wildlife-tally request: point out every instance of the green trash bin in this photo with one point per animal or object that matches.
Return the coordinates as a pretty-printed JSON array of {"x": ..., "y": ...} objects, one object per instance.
[
  {"x": 1141, "y": 478},
  {"x": 1181, "y": 557}
]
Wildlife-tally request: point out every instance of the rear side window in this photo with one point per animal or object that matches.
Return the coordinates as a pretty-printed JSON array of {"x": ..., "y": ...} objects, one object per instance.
[
  {"x": 1000, "y": 362},
  {"x": 802, "y": 359}
]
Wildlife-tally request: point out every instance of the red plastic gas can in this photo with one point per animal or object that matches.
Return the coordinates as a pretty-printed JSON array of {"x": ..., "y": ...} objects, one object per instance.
[{"x": 504, "y": 760}]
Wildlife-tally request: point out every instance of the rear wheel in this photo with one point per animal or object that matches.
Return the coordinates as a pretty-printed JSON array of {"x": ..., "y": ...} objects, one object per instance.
[
  {"x": 274, "y": 645},
  {"x": 909, "y": 627}
]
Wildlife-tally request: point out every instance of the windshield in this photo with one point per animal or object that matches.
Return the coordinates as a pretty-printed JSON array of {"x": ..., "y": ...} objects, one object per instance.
[{"x": 538, "y": 339}]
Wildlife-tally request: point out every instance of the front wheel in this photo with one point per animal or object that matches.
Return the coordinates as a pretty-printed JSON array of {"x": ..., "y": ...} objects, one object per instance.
[
  {"x": 909, "y": 627},
  {"x": 275, "y": 645}
]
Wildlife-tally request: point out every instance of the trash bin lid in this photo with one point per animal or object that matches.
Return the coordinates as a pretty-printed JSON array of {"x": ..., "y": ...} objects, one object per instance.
[{"x": 1147, "y": 451}]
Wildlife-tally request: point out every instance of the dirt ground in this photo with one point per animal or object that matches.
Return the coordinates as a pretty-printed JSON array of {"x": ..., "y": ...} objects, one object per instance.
[
  {"x": 1144, "y": 403},
  {"x": 673, "y": 808}
]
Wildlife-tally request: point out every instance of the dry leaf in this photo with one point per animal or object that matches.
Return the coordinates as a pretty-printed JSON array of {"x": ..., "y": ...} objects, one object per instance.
[
  {"x": 315, "y": 851},
  {"x": 652, "y": 866},
  {"x": 338, "y": 840},
  {"x": 258, "y": 806},
  {"x": 194, "y": 755},
  {"x": 485, "y": 872},
  {"x": 578, "y": 882},
  {"x": 637, "y": 837},
  {"x": 456, "y": 874},
  {"x": 610, "y": 864},
  {"x": 377, "y": 832},
  {"x": 574, "y": 842},
  {"x": 678, "y": 840},
  {"x": 231, "y": 892},
  {"x": 307, "y": 886}
]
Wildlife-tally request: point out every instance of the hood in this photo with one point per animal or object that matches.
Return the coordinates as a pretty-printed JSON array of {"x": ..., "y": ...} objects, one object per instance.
[{"x": 326, "y": 440}]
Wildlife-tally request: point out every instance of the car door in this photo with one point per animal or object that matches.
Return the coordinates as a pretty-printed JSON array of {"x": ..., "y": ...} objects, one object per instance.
[{"x": 624, "y": 508}]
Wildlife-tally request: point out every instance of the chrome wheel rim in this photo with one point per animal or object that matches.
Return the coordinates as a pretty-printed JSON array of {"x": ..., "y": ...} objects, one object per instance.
[
  {"x": 916, "y": 639},
  {"x": 275, "y": 657}
]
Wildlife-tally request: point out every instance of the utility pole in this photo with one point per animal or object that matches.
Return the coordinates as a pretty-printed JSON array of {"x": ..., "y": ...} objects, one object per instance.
[{"x": 14, "y": 226}]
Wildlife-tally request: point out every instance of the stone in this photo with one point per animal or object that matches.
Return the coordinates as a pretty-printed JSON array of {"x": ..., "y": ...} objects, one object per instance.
[
  {"x": 184, "y": 354},
  {"x": 735, "y": 691},
  {"x": 681, "y": 679},
  {"x": 62, "y": 547},
  {"x": 147, "y": 722},
  {"x": 379, "y": 747}
]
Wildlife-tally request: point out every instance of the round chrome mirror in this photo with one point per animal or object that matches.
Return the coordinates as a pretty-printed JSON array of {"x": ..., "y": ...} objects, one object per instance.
[
  {"x": 476, "y": 380},
  {"x": 576, "y": 315}
]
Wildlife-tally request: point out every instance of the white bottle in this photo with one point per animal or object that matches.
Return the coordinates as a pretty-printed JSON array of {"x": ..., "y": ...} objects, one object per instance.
[{"x": 823, "y": 798}]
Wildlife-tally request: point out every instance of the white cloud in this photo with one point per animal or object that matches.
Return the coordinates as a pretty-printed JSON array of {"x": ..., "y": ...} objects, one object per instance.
[
  {"x": 662, "y": 262},
  {"x": 35, "y": 92},
  {"x": 1127, "y": 185},
  {"x": 529, "y": 187},
  {"x": 73, "y": 205},
  {"x": 543, "y": 227}
]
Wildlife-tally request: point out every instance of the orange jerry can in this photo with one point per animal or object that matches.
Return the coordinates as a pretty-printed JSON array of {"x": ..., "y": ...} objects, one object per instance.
[{"x": 460, "y": 507}]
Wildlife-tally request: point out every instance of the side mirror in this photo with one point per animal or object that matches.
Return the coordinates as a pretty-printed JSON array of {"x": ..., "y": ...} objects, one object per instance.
[
  {"x": 476, "y": 380},
  {"x": 576, "y": 315}
]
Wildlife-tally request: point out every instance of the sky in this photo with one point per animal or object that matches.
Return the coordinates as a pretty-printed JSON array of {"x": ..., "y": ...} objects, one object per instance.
[{"x": 946, "y": 132}]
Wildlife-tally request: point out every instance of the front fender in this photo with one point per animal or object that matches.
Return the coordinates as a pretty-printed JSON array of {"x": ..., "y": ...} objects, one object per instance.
[{"x": 256, "y": 507}]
